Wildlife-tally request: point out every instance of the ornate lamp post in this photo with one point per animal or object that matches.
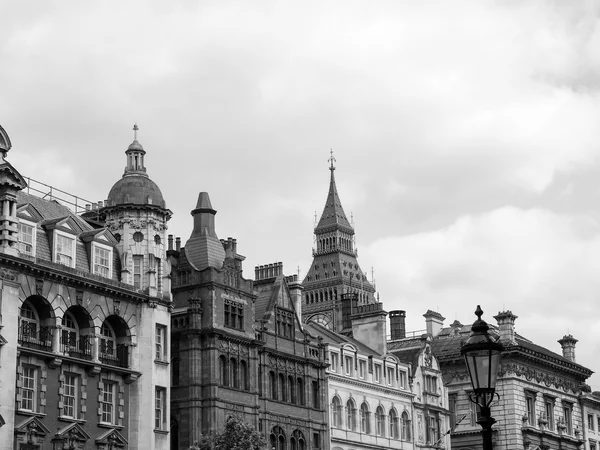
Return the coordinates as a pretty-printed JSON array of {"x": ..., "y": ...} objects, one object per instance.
[{"x": 482, "y": 356}]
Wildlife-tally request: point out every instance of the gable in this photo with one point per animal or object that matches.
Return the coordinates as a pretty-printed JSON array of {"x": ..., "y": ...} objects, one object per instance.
[
  {"x": 11, "y": 177},
  {"x": 113, "y": 437},
  {"x": 29, "y": 212}
]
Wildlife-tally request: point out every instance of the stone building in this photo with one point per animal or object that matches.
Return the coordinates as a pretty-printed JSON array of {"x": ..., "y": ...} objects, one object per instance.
[
  {"x": 590, "y": 408},
  {"x": 430, "y": 406},
  {"x": 334, "y": 270},
  {"x": 79, "y": 321},
  {"x": 539, "y": 392},
  {"x": 239, "y": 348},
  {"x": 370, "y": 397}
]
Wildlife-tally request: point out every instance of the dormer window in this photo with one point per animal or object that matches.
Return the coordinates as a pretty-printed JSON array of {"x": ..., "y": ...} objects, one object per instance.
[
  {"x": 102, "y": 260},
  {"x": 26, "y": 239},
  {"x": 64, "y": 249}
]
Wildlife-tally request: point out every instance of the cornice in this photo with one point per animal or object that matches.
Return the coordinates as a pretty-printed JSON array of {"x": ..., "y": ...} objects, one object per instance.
[{"x": 374, "y": 387}]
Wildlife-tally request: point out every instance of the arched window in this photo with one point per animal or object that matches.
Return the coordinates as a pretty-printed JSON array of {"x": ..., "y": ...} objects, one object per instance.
[
  {"x": 300, "y": 391},
  {"x": 277, "y": 438},
  {"x": 351, "y": 415},
  {"x": 393, "y": 423},
  {"x": 336, "y": 410},
  {"x": 365, "y": 419},
  {"x": 233, "y": 373},
  {"x": 281, "y": 390},
  {"x": 406, "y": 427},
  {"x": 108, "y": 341},
  {"x": 34, "y": 324},
  {"x": 70, "y": 332},
  {"x": 223, "y": 370},
  {"x": 297, "y": 441},
  {"x": 380, "y": 421},
  {"x": 29, "y": 321},
  {"x": 291, "y": 390},
  {"x": 244, "y": 375}
]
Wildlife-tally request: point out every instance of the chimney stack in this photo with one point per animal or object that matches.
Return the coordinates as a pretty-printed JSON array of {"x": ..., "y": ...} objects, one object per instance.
[
  {"x": 397, "y": 324},
  {"x": 506, "y": 327},
  {"x": 434, "y": 322},
  {"x": 568, "y": 346}
]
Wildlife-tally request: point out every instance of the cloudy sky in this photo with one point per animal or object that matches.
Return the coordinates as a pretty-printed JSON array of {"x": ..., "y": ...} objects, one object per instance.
[{"x": 467, "y": 136}]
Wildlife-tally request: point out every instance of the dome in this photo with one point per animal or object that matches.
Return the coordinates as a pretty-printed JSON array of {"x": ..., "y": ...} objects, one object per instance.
[
  {"x": 135, "y": 145},
  {"x": 137, "y": 189}
]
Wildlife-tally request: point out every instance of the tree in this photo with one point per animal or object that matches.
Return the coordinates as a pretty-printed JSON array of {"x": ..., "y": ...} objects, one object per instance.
[{"x": 237, "y": 435}]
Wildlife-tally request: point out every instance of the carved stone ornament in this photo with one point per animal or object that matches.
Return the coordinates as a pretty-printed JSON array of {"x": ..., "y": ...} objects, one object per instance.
[
  {"x": 79, "y": 297},
  {"x": 117, "y": 307},
  {"x": 8, "y": 275},
  {"x": 39, "y": 286}
]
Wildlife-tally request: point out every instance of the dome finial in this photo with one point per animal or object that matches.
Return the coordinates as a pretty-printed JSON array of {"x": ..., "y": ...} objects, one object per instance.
[
  {"x": 331, "y": 160},
  {"x": 135, "y": 130}
]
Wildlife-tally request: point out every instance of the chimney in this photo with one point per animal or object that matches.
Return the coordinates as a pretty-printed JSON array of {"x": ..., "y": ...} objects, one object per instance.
[
  {"x": 295, "y": 288},
  {"x": 349, "y": 304},
  {"x": 456, "y": 327},
  {"x": 506, "y": 327},
  {"x": 568, "y": 346},
  {"x": 369, "y": 326},
  {"x": 434, "y": 322},
  {"x": 170, "y": 242},
  {"x": 177, "y": 244},
  {"x": 397, "y": 324}
]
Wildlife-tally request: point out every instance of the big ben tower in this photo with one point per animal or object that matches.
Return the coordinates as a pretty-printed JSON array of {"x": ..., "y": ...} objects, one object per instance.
[{"x": 334, "y": 270}]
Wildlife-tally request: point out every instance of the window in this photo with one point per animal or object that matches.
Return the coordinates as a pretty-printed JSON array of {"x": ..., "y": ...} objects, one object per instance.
[
  {"x": 549, "y": 410},
  {"x": 300, "y": 391},
  {"x": 70, "y": 389},
  {"x": 281, "y": 387},
  {"x": 107, "y": 402},
  {"x": 273, "y": 385},
  {"x": 277, "y": 439},
  {"x": 393, "y": 424},
  {"x": 568, "y": 417},
  {"x": 362, "y": 369},
  {"x": 402, "y": 379},
  {"x": 138, "y": 261},
  {"x": 406, "y": 427},
  {"x": 452, "y": 400},
  {"x": 348, "y": 360},
  {"x": 377, "y": 373},
  {"x": 160, "y": 409},
  {"x": 29, "y": 321},
  {"x": 433, "y": 429},
  {"x": 160, "y": 347},
  {"x": 29, "y": 388},
  {"x": 336, "y": 412},
  {"x": 224, "y": 371},
  {"x": 530, "y": 403},
  {"x": 351, "y": 413},
  {"x": 234, "y": 314},
  {"x": 316, "y": 440},
  {"x": 380, "y": 421},
  {"x": 233, "y": 373},
  {"x": 365, "y": 419},
  {"x": 285, "y": 323},
  {"x": 475, "y": 411},
  {"x": 316, "y": 394},
  {"x": 102, "y": 261},
  {"x": 244, "y": 375},
  {"x": 431, "y": 384},
  {"x": 590, "y": 423},
  {"x": 291, "y": 394},
  {"x": 334, "y": 362},
  {"x": 26, "y": 239},
  {"x": 598, "y": 429},
  {"x": 65, "y": 250},
  {"x": 390, "y": 376}
]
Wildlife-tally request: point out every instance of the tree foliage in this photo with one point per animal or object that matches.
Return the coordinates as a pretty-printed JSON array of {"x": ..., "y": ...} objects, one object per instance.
[{"x": 237, "y": 435}]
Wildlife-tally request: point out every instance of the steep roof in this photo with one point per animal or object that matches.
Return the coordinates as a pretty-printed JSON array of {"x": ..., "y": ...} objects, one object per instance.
[
  {"x": 331, "y": 337},
  {"x": 333, "y": 215}
]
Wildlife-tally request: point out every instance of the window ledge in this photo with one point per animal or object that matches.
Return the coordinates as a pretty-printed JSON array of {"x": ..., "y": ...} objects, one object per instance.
[
  {"x": 160, "y": 362},
  {"x": 26, "y": 412},
  {"x": 110, "y": 425},
  {"x": 157, "y": 431},
  {"x": 71, "y": 419}
]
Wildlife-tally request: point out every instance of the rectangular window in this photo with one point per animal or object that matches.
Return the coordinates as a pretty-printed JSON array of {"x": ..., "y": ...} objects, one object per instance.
[
  {"x": 107, "y": 403},
  {"x": 160, "y": 343},
  {"x": 138, "y": 261},
  {"x": 598, "y": 428},
  {"x": 402, "y": 379},
  {"x": 316, "y": 441},
  {"x": 234, "y": 314},
  {"x": 549, "y": 410},
  {"x": 26, "y": 239},
  {"x": 316, "y": 395},
  {"x": 390, "y": 376},
  {"x": 475, "y": 411},
  {"x": 29, "y": 388},
  {"x": 433, "y": 429},
  {"x": 348, "y": 360},
  {"x": 285, "y": 323},
  {"x": 334, "y": 362},
  {"x": 70, "y": 396},
  {"x": 102, "y": 260},
  {"x": 590, "y": 424},
  {"x": 530, "y": 403},
  {"x": 160, "y": 409},
  {"x": 431, "y": 383},
  {"x": 452, "y": 400},
  {"x": 65, "y": 250},
  {"x": 377, "y": 373},
  {"x": 568, "y": 417},
  {"x": 362, "y": 368}
]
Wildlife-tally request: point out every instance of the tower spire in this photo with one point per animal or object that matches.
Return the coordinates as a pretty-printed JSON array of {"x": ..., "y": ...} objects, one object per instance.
[
  {"x": 135, "y": 130},
  {"x": 331, "y": 160}
]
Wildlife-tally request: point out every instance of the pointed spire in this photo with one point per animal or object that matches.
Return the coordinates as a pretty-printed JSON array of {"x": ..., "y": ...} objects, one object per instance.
[
  {"x": 204, "y": 249},
  {"x": 333, "y": 213},
  {"x": 135, "y": 155}
]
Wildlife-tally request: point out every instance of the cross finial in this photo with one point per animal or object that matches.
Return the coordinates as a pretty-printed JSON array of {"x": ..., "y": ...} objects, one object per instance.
[
  {"x": 135, "y": 130},
  {"x": 331, "y": 160}
]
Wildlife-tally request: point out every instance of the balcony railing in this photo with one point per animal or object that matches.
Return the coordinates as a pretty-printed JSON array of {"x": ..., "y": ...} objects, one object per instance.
[
  {"x": 77, "y": 348},
  {"x": 29, "y": 336},
  {"x": 114, "y": 357}
]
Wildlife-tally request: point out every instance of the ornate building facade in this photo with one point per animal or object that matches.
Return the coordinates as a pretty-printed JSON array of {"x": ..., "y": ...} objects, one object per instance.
[
  {"x": 539, "y": 403},
  {"x": 334, "y": 270},
  {"x": 76, "y": 331},
  {"x": 239, "y": 348}
]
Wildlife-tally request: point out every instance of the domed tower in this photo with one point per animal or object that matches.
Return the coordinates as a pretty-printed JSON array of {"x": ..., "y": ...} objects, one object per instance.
[{"x": 136, "y": 213}]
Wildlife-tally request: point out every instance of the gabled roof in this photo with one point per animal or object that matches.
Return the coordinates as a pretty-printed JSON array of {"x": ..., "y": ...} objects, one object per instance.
[
  {"x": 271, "y": 295},
  {"x": 333, "y": 338},
  {"x": 50, "y": 210},
  {"x": 32, "y": 425},
  {"x": 72, "y": 430},
  {"x": 27, "y": 211},
  {"x": 113, "y": 436}
]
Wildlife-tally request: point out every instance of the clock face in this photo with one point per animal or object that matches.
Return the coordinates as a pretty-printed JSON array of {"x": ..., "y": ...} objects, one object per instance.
[{"x": 322, "y": 319}]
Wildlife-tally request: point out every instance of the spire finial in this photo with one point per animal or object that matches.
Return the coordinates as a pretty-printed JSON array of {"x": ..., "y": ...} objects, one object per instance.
[
  {"x": 331, "y": 160},
  {"x": 135, "y": 130}
]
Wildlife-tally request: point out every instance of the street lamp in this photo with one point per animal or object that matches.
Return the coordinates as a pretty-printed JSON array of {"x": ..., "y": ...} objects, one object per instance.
[{"x": 482, "y": 356}]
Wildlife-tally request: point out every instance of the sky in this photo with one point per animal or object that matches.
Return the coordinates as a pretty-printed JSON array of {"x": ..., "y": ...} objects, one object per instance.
[{"x": 466, "y": 136}]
